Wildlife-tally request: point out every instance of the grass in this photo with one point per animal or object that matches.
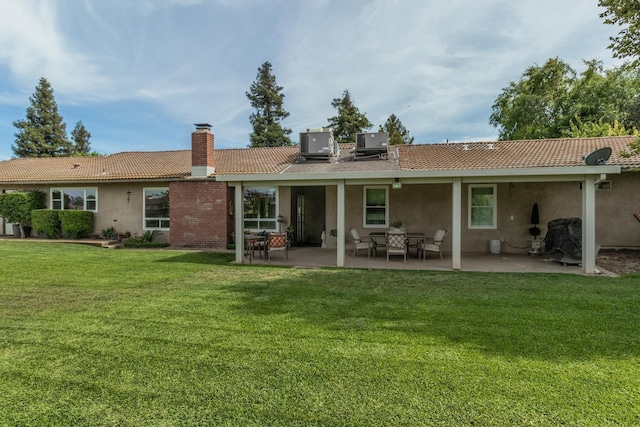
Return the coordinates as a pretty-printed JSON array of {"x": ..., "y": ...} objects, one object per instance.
[{"x": 154, "y": 337}]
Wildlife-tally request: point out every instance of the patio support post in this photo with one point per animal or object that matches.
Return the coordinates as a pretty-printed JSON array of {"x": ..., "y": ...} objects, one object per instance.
[
  {"x": 341, "y": 229},
  {"x": 239, "y": 213},
  {"x": 589, "y": 225},
  {"x": 456, "y": 224}
]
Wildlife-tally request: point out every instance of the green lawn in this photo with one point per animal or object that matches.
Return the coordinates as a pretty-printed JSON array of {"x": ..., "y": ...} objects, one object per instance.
[{"x": 90, "y": 336}]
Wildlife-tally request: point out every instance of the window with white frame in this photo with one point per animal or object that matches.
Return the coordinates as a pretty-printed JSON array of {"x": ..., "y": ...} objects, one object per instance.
[
  {"x": 83, "y": 199},
  {"x": 375, "y": 207},
  {"x": 156, "y": 208},
  {"x": 260, "y": 208},
  {"x": 482, "y": 206}
]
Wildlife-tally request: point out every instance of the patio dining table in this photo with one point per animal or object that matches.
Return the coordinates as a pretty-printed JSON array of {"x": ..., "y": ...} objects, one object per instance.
[
  {"x": 253, "y": 242},
  {"x": 416, "y": 235}
]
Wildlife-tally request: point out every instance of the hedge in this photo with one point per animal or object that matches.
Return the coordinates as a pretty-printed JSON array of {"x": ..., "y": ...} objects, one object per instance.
[
  {"x": 46, "y": 221},
  {"x": 76, "y": 224}
]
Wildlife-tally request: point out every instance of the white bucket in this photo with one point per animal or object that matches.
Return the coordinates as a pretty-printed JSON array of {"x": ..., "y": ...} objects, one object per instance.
[{"x": 494, "y": 246}]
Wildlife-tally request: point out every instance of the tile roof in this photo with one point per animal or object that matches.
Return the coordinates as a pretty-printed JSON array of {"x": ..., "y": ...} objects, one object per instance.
[
  {"x": 120, "y": 166},
  {"x": 271, "y": 160},
  {"x": 513, "y": 154},
  {"x": 165, "y": 165}
]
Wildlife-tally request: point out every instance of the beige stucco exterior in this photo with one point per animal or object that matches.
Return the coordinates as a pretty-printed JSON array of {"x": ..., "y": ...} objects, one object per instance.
[
  {"x": 116, "y": 207},
  {"x": 428, "y": 207}
]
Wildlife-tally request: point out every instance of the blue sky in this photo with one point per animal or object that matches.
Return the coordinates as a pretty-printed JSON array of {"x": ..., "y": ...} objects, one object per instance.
[{"x": 139, "y": 73}]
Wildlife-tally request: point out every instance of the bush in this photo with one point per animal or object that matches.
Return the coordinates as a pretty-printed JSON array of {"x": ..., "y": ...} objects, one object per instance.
[
  {"x": 16, "y": 206},
  {"x": 109, "y": 233},
  {"x": 146, "y": 240},
  {"x": 46, "y": 221},
  {"x": 148, "y": 237},
  {"x": 76, "y": 224},
  {"x": 130, "y": 244}
]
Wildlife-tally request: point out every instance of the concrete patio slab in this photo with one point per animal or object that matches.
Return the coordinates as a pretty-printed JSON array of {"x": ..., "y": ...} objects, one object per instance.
[{"x": 314, "y": 257}]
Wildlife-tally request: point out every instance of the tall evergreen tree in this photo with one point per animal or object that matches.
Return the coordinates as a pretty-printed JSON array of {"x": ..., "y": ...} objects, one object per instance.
[
  {"x": 80, "y": 137},
  {"x": 267, "y": 98},
  {"x": 43, "y": 132},
  {"x": 349, "y": 120},
  {"x": 398, "y": 134}
]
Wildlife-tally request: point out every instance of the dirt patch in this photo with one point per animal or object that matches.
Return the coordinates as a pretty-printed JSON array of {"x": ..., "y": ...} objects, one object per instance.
[{"x": 619, "y": 261}]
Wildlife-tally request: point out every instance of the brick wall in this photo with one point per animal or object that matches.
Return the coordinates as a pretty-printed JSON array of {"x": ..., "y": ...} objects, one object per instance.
[
  {"x": 200, "y": 214},
  {"x": 202, "y": 152}
]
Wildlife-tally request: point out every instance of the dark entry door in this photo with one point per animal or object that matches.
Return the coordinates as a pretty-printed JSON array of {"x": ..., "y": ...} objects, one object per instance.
[{"x": 309, "y": 219}]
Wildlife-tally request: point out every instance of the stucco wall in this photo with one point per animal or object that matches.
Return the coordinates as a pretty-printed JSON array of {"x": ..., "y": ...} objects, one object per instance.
[
  {"x": 116, "y": 208},
  {"x": 427, "y": 207}
]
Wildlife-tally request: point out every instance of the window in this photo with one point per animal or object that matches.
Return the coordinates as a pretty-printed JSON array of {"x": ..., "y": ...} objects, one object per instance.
[
  {"x": 83, "y": 199},
  {"x": 482, "y": 206},
  {"x": 260, "y": 208},
  {"x": 376, "y": 207},
  {"x": 156, "y": 208}
]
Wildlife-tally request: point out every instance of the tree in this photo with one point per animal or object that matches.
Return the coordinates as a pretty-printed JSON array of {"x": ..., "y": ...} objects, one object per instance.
[
  {"x": 537, "y": 106},
  {"x": 625, "y": 14},
  {"x": 547, "y": 99},
  {"x": 80, "y": 137},
  {"x": 579, "y": 129},
  {"x": 267, "y": 98},
  {"x": 349, "y": 120},
  {"x": 43, "y": 133},
  {"x": 16, "y": 207},
  {"x": 398, "y": 134}
]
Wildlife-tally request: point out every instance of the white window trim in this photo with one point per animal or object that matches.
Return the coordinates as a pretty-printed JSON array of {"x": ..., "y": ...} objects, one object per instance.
[
  {"x": 494, "y": 206},
  {"x": 386, "y": 206},
  {"x": 259, "y": 220},
  {"x": 144, "y": 209},
  {"x": 84, "y": 189}
]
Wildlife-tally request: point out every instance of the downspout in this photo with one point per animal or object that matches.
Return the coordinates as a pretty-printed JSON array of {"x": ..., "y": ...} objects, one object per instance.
[{"x": 603, "y": 177}]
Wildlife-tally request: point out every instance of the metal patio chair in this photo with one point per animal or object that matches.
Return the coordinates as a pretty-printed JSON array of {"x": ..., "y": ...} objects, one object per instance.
[
  {"x": 396, "y": 243},
  {"x": 432, "y": 244},
  {"x": 277, "y": 242},
  {"x": 367, "y": 243}
]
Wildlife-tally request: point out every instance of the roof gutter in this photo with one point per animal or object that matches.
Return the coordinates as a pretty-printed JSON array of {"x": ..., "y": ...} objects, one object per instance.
[{"x": 575, "y": 171}]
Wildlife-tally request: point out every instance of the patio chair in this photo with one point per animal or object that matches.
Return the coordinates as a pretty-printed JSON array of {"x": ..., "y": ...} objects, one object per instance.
[
  {"x": 277, "y": 242},
  {"x": 367, "y": 243},
  {"x": 432, "y": 244},
  {"x": 396, "y": 243}
]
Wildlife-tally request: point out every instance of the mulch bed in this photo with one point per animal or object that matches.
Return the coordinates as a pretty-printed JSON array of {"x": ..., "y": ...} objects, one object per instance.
[{"x": 619, "y": 261}]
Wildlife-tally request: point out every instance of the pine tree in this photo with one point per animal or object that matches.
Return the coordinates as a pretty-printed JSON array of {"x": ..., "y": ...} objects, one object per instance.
[
  {"x": 398, "y": 134},
  {"x": 43, "y": 133},
  {"x": 349, "y": 120},
  {"x": 267, "y": 98},
  {"x": 80, "y": 137}
]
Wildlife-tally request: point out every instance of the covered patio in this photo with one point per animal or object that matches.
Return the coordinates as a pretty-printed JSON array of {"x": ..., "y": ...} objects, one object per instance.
[{"x": 315, "y": 257}]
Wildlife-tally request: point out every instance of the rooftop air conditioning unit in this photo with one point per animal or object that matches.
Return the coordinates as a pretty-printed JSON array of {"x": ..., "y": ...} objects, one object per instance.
[
  {"x": 372, "y": 144},
  {"x": 317, "y": 145}
]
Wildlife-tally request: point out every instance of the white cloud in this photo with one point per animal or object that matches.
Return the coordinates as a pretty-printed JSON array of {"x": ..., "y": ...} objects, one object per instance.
[{"x": 437, "y": 65}]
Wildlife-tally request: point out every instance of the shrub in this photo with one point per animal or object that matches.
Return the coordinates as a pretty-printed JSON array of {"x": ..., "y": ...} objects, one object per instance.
[
  {"x": 76, "y": 224},
  {"x": 148, "y": 237},
  {"x": 146, "y": 240},
  {"x": 109, "y": 233},
  {"x": 46, "y": 221},
  {"x": 16, "y": 206}
]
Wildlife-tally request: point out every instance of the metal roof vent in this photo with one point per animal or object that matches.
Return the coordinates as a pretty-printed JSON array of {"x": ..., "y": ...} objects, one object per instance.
[
  {"x": 490, "y": 146},
  {"x": 465, "y": 147}
]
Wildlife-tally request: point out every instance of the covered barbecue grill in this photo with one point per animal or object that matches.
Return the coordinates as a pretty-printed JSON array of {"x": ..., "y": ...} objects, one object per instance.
[{"x": 563, "y": 241}]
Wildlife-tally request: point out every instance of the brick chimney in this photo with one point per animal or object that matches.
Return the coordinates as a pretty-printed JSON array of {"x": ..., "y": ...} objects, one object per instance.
[{"x": 202, "y": 153}]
